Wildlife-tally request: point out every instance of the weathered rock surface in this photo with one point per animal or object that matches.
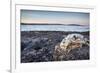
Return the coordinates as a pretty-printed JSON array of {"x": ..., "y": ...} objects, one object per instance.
[{"x": 39, "y": 47}]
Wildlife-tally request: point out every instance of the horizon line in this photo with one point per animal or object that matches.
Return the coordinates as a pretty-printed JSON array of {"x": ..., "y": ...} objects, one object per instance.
[{"x": 51, "y": 24}]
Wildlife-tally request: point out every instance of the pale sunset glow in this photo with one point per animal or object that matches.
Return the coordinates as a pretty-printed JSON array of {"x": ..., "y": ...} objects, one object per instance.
[{"x": 54, "y": 17}]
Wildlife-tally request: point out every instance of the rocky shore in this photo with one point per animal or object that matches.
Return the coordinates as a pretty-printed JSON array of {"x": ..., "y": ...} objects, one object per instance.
[{"x": 38, "y": 46}]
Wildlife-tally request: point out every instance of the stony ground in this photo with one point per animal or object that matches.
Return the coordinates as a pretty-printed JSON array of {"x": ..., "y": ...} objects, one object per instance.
[{"x": 39, "y": 46}]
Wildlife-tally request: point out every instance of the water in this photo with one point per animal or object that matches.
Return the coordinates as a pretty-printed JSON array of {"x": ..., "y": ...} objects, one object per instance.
[{"x": 54, "y": 28}]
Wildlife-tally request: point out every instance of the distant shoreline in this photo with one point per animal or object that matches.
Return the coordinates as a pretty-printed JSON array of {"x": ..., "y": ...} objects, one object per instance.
[
  {"x": 51, "y": 24},
  {"x": 54, "y": 27}
]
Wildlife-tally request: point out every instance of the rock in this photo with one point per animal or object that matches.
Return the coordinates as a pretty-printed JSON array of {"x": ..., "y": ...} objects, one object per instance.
[
  {"x": 37, "y": 51},
  {"x": 37, "y": 43},
  {"x": 40, "y": 47},
  {"x": 25, "y": 43},
  {"x": 73, "y": 41},
  {"x": 74, "y": 54}
]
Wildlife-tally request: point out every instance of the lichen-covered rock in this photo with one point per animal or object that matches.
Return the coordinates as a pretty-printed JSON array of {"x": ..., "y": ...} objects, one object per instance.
[
  {"x": 74, "y": 46},
  {"x": 73, "y": 41},
  {"x": 74, "y": 54}
]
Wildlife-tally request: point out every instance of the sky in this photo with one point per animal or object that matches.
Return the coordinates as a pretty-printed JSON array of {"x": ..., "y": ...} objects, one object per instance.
[{"x": 54, "y": 17}]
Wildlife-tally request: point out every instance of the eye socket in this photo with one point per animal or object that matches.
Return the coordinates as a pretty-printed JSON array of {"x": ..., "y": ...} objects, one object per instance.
[{"x": 63, "y": 41}]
